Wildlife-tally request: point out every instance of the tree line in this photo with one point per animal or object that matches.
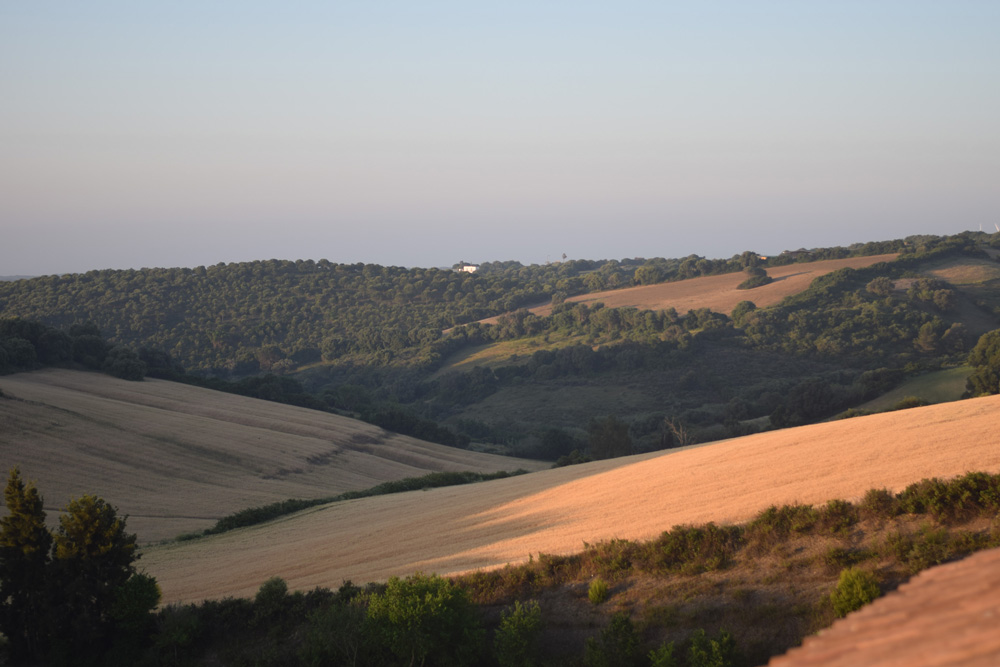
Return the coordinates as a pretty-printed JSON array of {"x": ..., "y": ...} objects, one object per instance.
[{"x": 278, "y": 315}]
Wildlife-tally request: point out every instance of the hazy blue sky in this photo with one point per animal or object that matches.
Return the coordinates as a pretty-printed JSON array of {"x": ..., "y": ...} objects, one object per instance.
[{"x": 423, "y": 133}]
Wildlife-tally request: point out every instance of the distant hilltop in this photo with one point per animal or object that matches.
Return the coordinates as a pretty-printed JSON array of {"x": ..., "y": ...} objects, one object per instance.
[{"x": 16, "y": 277}]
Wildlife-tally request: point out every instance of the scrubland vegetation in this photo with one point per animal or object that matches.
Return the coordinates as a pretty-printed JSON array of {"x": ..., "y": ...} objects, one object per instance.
[{"x": 696, "y": 595}]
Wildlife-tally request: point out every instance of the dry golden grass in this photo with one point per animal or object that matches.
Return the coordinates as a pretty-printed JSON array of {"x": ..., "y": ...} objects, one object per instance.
[
  {"x": 967, "y": 271},
  {"x": 176, "y": 458},
  {"x": 554, "y": 511},
  {"x": 719, "y": 293}
]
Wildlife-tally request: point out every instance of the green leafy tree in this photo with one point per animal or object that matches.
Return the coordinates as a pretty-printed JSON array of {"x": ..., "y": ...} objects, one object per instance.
[
  {"x": 707, "y": 652},
  {"x": 93, "y": 558},
  {"x": 24, "y": 555},
  {"x": 741, "y": 310},
  {"x": 756, "y": 277},
  {"x": 426, "y": 620},
  {"x": 609, "y": 438},
  {"x": 616, "y": 646},
  {"x": 124, "y": 362},
  {"x": 516, "y": 643},
  {"x": 985, "y": 362}
]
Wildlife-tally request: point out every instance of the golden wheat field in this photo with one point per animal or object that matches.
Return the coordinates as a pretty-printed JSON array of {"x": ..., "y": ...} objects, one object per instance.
[
  {"x": 486, "y": 525},
  {"x": 176, "y": 458},
  {"x": 719, "y": 293}
]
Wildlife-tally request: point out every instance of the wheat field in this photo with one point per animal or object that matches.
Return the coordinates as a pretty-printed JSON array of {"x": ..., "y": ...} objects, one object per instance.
[
  {"x": 486, "y": 525},
  {"x": 176, "y": 458}
]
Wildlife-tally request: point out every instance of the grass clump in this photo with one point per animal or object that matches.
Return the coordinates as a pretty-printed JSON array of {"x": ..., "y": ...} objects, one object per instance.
[{"x": 855, "y": 589}]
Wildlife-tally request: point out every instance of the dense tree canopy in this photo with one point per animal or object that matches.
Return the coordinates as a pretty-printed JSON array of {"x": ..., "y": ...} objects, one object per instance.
[
  {"x": 69, "y": 598},
  {"x": 985, "y": 362}
]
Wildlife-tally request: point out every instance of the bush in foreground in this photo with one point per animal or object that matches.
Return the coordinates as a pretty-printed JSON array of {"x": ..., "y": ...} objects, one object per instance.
[{"x": 855, "y": 589}]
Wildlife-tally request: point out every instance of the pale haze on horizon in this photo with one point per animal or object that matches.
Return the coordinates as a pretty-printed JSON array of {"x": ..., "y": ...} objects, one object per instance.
[{"x": 424, "y": 133}]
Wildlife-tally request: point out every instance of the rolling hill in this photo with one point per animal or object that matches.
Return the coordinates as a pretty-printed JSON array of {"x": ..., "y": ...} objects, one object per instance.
[
  {"x": 176, "y": 458},
  {"x": 554, "y": 511},
  {"x": 718, "y": 293}
]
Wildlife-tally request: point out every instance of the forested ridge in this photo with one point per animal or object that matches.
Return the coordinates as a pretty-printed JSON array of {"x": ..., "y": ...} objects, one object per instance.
[
  {"x": 247, "y": 317},
  {"x": 370, "y": 341}
]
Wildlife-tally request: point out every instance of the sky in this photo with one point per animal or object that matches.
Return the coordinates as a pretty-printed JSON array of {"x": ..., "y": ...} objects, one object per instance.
[{"x": 426, "y": 132}]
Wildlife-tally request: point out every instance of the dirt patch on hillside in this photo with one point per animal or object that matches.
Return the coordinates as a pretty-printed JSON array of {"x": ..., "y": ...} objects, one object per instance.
[
  {"x": 176, "y": 458},
  {"x": 967, "y": 271},
  {"x": 554, "y": 511}
]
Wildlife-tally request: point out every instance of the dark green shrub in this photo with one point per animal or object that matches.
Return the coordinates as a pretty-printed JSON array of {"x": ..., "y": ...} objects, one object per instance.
[
  {"x": 756, "y": 277},
  {"x": 923, "y": 497},
  {"x": 338, "y": 635},
  {"x": 508, "y": 583},
  {"x": 269, "y": 602},
  {"x": 775, "y": 524},
  {"x": 879, "y": 504},
  {"x": 616, "y": 646},
  {"x": 855, "y": 589},
  {"x": 837, "y": 558},
  {"x": 663, "y": 656},
  {"x": 930, "y": 547},
  {"x": 837, "y": 516},
  {"x": 897, "y": 545},
  {"x": 516, "y": 642},
  {"x": 957, "y": 500},
  {"x": 178, "y": 631},
  {"x": 554, "y": 570},
  {"x": 707, "y": 652},
  {"x": 693, "y": 549},
  {"x": 613, "y": 559}
]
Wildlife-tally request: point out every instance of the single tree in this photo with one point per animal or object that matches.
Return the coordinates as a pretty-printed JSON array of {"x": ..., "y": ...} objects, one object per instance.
[
  {"x": 985, "y": 362},
  {"x": 24, "y": 557},
  {"x": 609, "y": 438},
  {"x": 93, "y": 558}
]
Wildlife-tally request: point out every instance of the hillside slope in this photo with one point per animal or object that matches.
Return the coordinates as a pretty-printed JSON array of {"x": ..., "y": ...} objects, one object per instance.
[
  {"x": 555, "y": 511},
  {"x": 176, "y": 458},
  {"x": 718, "y": 293},
  {"x": 944, "y": 616}
]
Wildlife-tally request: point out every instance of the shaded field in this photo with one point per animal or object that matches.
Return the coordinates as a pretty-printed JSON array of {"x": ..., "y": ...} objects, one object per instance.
[
  {"x": 460, "y": 529},
  {"x": 718, "y": 293},
  {"x": 936, "y": 387},
  {"x": 177, "y": 458}
]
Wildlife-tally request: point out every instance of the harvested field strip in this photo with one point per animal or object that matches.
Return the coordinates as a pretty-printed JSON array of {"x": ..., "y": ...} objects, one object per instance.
[{"x": 555, "y": 511}]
